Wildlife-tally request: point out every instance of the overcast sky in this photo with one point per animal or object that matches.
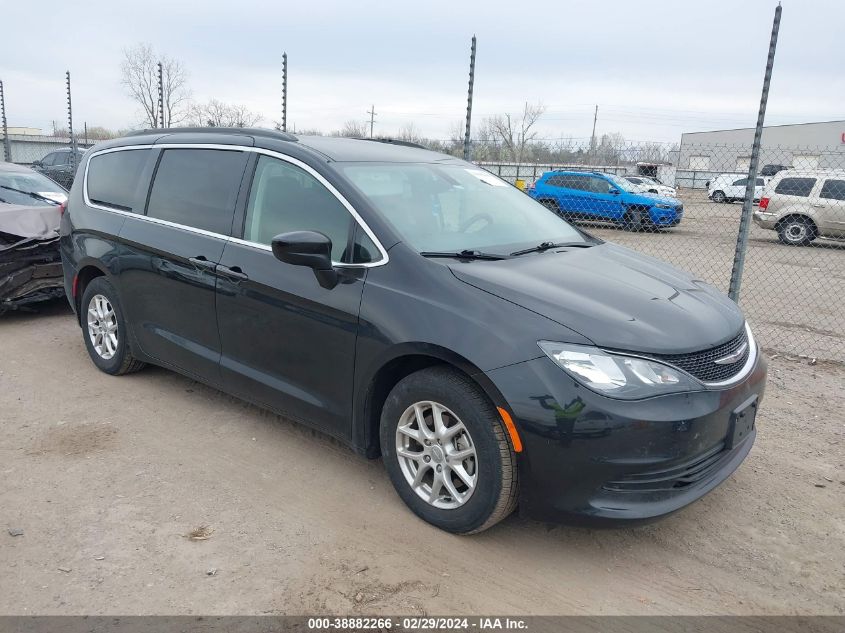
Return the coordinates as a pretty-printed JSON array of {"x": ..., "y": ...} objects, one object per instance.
[{"x": 655, "y": 68}]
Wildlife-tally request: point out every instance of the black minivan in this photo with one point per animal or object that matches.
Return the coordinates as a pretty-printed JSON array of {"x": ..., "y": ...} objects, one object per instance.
[{"x": 420, "y": 309}]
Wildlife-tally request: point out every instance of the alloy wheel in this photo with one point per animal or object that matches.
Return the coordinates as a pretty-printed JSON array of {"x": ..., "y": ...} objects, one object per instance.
[
  {"x": 436, "y": 455},
  {"x": 102, "y": 326}
]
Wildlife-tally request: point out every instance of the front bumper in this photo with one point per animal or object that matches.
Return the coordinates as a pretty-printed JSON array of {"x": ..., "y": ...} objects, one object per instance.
[
  {"x": 666, "y": 217},
  {"x": 30, "y": 271},
  {"x": 596, "y": 460}
]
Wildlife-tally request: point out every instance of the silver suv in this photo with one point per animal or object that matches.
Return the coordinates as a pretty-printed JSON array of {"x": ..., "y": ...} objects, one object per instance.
[{"x": 804, "y": 205}]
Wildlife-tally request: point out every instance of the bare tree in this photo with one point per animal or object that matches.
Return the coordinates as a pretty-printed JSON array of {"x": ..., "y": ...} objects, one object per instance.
[
  {"x": 214, "y": 113},
  {"x": 409, "y": 132},
  {"x": 352, "y": 128},
  {"x": 139, "y": 76},
  {"x": 515, "y": 131}
]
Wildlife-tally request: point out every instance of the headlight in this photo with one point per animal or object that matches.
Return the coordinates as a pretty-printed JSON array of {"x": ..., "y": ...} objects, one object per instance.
[
  {"x": 617, "y": 375},
  {"x": 664, "y": 206}
]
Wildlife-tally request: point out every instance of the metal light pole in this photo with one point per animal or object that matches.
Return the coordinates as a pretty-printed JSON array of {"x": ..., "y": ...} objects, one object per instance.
[
  {"x": 160, "y": 96},
  {"x": 70, "y": 123},
  {"x": 467, "y": 152},
  {"x": 7, "y": 146},
  {"x": 372, "y": 113},
  {"x": 748, "y": 202},
  {"x": 284, "y": 92}
]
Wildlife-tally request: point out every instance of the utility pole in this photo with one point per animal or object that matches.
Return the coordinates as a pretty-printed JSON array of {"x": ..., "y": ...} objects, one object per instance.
[
  {"x": 7, "y": 146},
  {"x": 284, "y": 92},
  {"x": 372, "y": 113},
  {"x": 593, "y": 136},
  {"x": 160, "y": 96},
  {"x": 469, "y": 99}
]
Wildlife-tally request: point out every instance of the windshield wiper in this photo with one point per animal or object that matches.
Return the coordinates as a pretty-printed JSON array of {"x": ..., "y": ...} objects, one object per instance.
[
  {"x": 544, "y": 246},
  {"x": 31, "y": 194},
  {"x": 467, "y": 253}
]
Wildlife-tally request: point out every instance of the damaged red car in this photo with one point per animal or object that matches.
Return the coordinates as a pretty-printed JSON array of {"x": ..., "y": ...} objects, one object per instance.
[{"x": 30, "y": 208}]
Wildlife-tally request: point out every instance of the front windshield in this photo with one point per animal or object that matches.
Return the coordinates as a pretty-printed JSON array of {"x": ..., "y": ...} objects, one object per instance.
[
  {"x": 16, "y": 187},
  {"x": 457, "y": 207}
]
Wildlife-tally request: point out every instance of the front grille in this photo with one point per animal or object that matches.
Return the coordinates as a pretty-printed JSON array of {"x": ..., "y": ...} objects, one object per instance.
[
  {"x": 674, "y": 478},
  {"x": 701, "y": 365}
]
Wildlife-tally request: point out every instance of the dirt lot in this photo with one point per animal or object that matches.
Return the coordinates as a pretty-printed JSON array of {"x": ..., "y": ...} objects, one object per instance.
[{"x": 106, "y": 476}]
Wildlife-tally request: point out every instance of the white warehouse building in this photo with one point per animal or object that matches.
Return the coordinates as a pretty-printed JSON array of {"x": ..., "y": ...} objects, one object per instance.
[{"x": 802, "y": 145}]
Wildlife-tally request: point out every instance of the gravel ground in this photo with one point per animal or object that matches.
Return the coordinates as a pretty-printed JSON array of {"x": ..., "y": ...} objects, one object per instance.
[{"x": 107, "y": 477}]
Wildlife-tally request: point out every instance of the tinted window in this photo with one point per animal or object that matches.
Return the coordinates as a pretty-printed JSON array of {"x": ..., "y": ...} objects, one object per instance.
[
  {"x": 62, "y": 158},
  {"x": 114, "y": 178},
  {"x": 598, "y": 185},
  {"x": 796, "y": 186},
  {"x": 287, "y": 198},
  {"x": 740, "y": 183},
  {"x": 47, "y": 161},
  {"x": 579, "y": 183},
  {"x": 555, "y": 181},
  {"x": 833, "y": 189},
  {"x": 197, "y": 187},
  {"x": 760, "y": 182}
]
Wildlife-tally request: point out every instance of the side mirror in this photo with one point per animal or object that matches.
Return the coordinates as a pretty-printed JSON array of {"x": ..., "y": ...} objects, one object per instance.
[
  {"x": 613, "y": 191},
  {"x": 307, "y": 248},
  {"x": 37, "y": 163}
]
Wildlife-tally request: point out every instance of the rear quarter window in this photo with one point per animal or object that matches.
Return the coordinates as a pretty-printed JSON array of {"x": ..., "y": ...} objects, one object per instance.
[
  {"x": 833, "y": 189},
  {"x": 197, "y": 188},
  {"x": 114, "y": 178},
  {"x": 795, "y": 186}
]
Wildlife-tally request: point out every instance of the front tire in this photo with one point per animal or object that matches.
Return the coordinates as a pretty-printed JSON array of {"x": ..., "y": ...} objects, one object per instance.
[
  {"x": 719, "y": 196},
  {"x": 633, "y": 220},
  {"x": 447, "y": 453},
  {"x": 104, "y": 329}
]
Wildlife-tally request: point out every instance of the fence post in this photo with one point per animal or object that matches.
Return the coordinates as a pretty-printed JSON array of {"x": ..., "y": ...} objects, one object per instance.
[
  {"x": 70, "y": 125},
  {"x": 7, "y": 146},
  {"x": 748, "y": 202},
  {"x": 469, "y": 99}
]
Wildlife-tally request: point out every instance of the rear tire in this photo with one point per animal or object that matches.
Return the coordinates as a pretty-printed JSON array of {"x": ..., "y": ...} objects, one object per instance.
[
  {"x": 104, "y": 329},
  {"x": 796, "y": 231},
  {"x": 719, "y": 196},
  {"x": 419, "y": 453}
]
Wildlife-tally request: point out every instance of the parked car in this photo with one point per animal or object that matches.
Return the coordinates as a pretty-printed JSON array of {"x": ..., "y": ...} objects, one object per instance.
[
  {"x": 419, "y": 308},
  {"x": 646, "y": 184},
  {"x": 803, "y": 205},
  {"x": 605, "y": 197},
  {"x": 60, "y": 165},
  {"x": 731, "y": 188},
  {"x": 770, "y": 170},
  {"x": 30, "y": 266}
]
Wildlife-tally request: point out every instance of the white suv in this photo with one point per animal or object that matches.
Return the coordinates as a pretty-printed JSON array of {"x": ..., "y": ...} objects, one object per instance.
[
  {"x": 803, "y": 205},
  {"x": 731, "y": 188}
]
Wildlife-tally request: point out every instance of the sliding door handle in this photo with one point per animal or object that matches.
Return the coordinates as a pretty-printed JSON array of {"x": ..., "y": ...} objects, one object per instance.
[{"x": 200, "y": 261}]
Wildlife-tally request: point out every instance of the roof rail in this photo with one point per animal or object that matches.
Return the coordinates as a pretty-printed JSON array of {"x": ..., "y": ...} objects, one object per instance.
[
  {"x": 246, "y": 131},
  {"x": 390, "y": 141}
]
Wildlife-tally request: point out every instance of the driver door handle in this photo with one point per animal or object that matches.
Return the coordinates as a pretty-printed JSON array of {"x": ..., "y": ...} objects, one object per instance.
[{"x": 234, "y": 272}]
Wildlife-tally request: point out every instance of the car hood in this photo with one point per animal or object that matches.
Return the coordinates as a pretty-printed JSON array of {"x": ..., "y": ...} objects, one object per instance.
[
  {"x": 38, "y": 222},
  {"x": 617, "y": 298}
]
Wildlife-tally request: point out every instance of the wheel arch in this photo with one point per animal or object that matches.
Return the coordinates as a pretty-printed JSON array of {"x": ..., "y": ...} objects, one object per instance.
[
  {"x": 403, "y": 361},
  {"x": 89, "y": 270}
]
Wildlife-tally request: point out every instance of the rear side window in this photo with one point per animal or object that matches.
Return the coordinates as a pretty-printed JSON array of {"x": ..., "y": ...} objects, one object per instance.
[
  {"x": 796, "y": 186},
  {"x": 197, "y": 188},
  {"x": 114, "y": 178},
  {"x": 833, "y": 189}
]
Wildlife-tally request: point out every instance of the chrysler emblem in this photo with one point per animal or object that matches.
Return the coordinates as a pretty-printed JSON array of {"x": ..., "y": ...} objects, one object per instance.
[{"x": 730, "y": 359}]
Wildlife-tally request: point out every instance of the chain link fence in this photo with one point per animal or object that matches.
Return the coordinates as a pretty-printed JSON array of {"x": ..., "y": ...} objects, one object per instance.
[
  {"x": 53, "y": 156},
  {"x": 686, "y": 210}
]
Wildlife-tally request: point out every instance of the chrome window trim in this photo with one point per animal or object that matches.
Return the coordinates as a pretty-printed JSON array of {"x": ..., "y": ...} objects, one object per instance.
[{"x": 236, "y": 148}]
